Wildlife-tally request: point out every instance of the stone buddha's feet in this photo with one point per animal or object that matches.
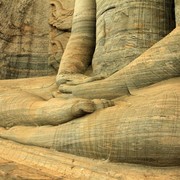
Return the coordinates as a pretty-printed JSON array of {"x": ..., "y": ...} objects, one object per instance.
[
  {"x": 86, "y": 106},
  {"x": 75, "y": 79},
  {"x": 56, "y": 111}
]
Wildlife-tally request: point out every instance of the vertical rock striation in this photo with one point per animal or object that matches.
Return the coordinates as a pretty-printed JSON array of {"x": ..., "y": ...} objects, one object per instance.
[
  {"x": 33, "y": 36},
  {"x": 126, "y": 28}
]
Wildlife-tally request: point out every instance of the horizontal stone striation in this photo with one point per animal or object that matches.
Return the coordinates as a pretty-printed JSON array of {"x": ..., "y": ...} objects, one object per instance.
[
  {"x": 80, "y": 47},
  {"x": 125, "y": 29},
  {"x": 143, "y": 128},
  {"x": 158, "y": 63},
  {"x": 24, "y": 39},
  {"x": 25, "y": 65},
  {"x": 61, "y": 24},
  {"x": 29, "y": 46},
  {"x": 56, "y": 164}
]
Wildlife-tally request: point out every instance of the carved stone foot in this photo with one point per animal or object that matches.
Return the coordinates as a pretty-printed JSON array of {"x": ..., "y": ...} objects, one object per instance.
[
  {"x": 86, "y": 106},
  {"x": 57, "y": 111}
]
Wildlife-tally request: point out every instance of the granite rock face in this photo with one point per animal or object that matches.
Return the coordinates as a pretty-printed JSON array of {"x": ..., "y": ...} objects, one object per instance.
[
  {"x": 61, "y": 24},
  {"x": 126, "y": 30},
  {"x": 116, "y": 94},
  {"x": 33, "y": 36}
]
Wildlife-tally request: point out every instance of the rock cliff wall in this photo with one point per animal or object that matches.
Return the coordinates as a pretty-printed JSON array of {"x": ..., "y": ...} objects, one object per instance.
[{"x": 33, "y": 36}]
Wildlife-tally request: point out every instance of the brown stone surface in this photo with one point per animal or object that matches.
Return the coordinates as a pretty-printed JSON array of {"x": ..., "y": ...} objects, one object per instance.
[
  {"x": 10, "y": 170},
  {"x": 33, "y": 36},
  {"x": 177, "y": 11},
  {"x": 61, "y": 23},
  {"x": 68, "y": 166},
  {"x": 125, "y": 31},
  {"x": 117, "y": 105}
]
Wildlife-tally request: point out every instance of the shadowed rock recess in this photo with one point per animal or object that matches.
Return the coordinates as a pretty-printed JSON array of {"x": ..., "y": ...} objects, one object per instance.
[{"x": 114, "y": 100}]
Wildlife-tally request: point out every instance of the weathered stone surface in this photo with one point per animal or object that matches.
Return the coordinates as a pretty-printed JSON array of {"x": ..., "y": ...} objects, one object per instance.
[
  {"x": 177, "y": 10},
  {"x": 78, "y": 54},
  {"x": 73, "y": 167},
  {"x": 140, "y": 121},
  {"x": 61, "y": 23},
  {"x": 29, "y": 46},
  {"x": 142, "y": 128},
  {"x": 126, "y": 28},
  {"x": 10, "y": 170},
  {"x": 24, "y": 50}
]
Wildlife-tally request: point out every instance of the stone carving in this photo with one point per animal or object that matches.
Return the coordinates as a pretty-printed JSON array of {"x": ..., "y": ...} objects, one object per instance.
[
  {"x": 125, "y": 31},
  {"x": 24, "y": 39},
  {"x": 130, "y": 116},
  {"x": 25, "y": 45},
  {"x": 61, "y": 17},
  {"x": 61, "y": 23}
]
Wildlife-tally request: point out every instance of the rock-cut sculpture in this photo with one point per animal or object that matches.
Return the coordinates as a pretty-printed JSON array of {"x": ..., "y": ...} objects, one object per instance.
[{"x": 116, "y": 92}]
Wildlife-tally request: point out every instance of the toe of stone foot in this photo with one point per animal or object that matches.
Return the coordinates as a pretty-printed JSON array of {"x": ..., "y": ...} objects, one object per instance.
[
  {"x": 102, "y": 103},
  {"x": 83, "y": 107}
]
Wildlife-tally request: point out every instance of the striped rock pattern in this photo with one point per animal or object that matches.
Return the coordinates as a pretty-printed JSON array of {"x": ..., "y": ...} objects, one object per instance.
[
  {"x": 143, "y": 125},
  {"x": 61, "y": 24},
  {"x": 50, "y": 164},
  {"x": 142, "y": 128},
  {"x": 31, "y": 40},
  {"x": 80, "y": 47},
  {"x": 126, "y": 28},
  {"x": 158, "y": 63},
  {"x": 25, "y": 53},
  {"x": 177, "y": 10}
]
